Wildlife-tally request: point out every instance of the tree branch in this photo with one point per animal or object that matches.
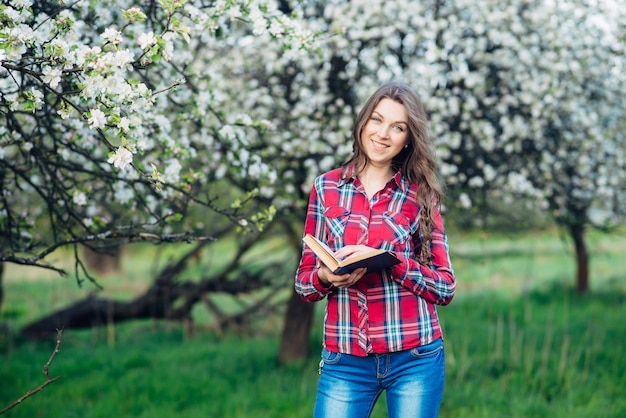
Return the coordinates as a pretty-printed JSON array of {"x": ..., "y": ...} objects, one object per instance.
[{"x": 46, "y": 373}]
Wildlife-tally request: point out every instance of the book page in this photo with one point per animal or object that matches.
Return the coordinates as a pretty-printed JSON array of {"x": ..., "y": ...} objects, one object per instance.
[{"x": 323, "y": 252}]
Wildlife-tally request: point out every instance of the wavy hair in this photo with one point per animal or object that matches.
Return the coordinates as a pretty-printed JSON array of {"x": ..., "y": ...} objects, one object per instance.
[{"x": 417, "y": 161}]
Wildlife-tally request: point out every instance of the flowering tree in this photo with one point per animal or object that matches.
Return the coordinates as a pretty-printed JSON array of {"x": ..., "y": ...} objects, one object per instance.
[
  {"x": 538, "y": 112},
  {"x": 526, "y": 98},
  {"x": 107, "y": 134}
]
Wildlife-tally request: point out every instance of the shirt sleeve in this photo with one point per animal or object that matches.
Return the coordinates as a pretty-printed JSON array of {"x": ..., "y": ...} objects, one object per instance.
[
  {"x": 308, "y": 285},
  {"x": 435, "y": 283}
]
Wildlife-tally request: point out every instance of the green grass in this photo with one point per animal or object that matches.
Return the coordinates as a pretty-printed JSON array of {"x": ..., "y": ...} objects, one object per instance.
[
  {"x": 519, "y": 343},
  {"x": 153, "y": 371},
  {"x": 546, "y": 354}
]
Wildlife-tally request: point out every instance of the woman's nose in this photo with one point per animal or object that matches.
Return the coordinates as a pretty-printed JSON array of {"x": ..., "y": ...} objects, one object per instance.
[{"x": 383, "y": 131}]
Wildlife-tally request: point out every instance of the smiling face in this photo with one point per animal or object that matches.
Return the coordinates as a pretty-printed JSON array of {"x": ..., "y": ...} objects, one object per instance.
[{"x": 385, "y": 133}]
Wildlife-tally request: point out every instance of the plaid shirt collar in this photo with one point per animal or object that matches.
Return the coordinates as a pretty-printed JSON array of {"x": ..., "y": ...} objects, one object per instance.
[{"x": 349, "y": 175}]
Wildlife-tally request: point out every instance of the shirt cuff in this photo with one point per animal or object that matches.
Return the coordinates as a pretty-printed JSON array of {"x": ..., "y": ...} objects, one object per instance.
[{"x": 319, "y": 286}]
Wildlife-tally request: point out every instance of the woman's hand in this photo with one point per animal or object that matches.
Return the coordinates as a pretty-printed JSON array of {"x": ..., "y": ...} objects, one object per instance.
[
  {"x": 327, "y": 278},
  {"x": 351, "y": 250}
]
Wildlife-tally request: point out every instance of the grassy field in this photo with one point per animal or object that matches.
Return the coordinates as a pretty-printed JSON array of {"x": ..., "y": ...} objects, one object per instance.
[{"x": 519, "y": 343}]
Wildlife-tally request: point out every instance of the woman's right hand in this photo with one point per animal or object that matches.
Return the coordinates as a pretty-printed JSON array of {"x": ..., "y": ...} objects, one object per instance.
[{"x": 327, "y": 278}]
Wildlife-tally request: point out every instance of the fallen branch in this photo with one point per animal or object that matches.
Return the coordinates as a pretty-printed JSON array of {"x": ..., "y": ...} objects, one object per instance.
[
  {"x": 167, "y": 298},
  {"x": 46, "y": 373}
]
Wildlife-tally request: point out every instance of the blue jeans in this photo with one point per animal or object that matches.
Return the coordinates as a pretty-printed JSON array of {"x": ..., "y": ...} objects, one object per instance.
[{"x": 413, "y": 380}]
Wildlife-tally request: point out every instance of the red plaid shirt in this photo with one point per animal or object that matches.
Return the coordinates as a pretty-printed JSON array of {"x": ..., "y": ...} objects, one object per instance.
[{"x": 386, "y": 311}]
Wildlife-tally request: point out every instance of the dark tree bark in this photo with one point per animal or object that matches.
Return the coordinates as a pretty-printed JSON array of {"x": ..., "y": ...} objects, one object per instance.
[
  {"x": 294, "y": 344},
  {"x": 167, "y": 298},
  {"x": 1, "y": 284},
  {"x": 157, "y": 303},
  {"x": 577, "y": 233}
]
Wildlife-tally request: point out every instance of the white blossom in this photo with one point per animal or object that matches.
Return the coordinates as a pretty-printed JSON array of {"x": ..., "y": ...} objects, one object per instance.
[
  {"x": 79, "y": 198},
  {"x": 51, "y": 76},
  {"x": 146, "y": 40},
  {"x": 168, "y": 50},
  {"x": 123, "y": 58},
  {"x": 36, "y": 96},
  {"x": 121, "y": 158},
  {"x": 124, "y": 124},
  {"x": 112, "y": 35},
  {"x": 22, "y": 4},
  {"x": 259, "y": 22},
  {"x": 465, "y": 201},
  {"x": 97, "y": 120}
]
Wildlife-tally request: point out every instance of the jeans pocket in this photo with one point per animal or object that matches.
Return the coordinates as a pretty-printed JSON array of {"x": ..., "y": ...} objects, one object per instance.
[
  {"x": 428, "y": 350},
  {"x": 330, "y": 357}
]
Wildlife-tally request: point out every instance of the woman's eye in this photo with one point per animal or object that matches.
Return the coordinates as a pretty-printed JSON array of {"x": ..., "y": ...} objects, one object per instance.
[
  {"x": 375, "y": 118},
  {"x": 399, "y": 128}
]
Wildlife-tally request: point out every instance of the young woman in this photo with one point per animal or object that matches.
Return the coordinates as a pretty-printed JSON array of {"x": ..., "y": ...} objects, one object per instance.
[{"x": 381, "y": 330}]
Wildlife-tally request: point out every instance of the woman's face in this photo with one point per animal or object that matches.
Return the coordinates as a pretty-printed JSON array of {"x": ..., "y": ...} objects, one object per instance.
[{"x": 385, "y": 133}]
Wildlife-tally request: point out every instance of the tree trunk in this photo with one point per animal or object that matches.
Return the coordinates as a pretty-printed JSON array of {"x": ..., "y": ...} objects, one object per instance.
[
  {"x": 582, "y": 258},
  {"x": 1, "y": 285},
  {"x": 104, "y": 258},
  {"x": 294, "y": 344}
]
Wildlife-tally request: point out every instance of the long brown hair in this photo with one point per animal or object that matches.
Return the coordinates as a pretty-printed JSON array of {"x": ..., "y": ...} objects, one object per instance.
[{"x": 417, "y": 161}]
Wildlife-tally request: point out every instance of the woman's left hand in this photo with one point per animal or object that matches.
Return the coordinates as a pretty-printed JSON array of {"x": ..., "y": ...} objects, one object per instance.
[{"x": 352, "y": 250}]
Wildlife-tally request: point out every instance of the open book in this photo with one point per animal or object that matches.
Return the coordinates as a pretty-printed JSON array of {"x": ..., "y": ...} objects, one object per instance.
[{"x": 373, "y": 260}]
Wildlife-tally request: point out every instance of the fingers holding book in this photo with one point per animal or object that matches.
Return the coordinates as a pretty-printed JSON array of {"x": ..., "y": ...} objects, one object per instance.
[
  {"x": 353, "y": 251},
  {"x": 327, "y": 278}
]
